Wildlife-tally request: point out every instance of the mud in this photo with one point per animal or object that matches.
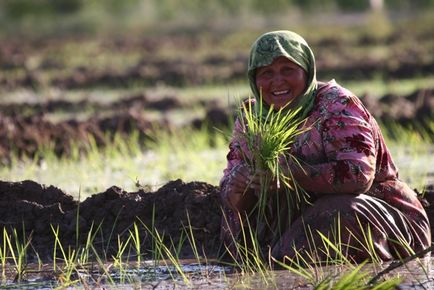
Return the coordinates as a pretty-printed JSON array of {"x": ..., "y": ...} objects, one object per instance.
[
  {"x": 31, "y": 64},
  {"x": 28, "y": 135},
  {"x": 35, "y": 210},
  {"x": 413, "y": 111},
  {"x": 25, "y": 128},
  {"x": 32, "y": 209}
]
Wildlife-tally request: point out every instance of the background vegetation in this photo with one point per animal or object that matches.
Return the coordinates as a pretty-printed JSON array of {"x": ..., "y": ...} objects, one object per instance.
[
  {"x": 93, "y": 55},
  {"x": 28, "y": 17}
]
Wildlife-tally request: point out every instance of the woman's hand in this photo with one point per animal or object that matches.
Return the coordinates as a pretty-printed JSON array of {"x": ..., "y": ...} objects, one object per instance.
[{"x": 241, "y": 187}]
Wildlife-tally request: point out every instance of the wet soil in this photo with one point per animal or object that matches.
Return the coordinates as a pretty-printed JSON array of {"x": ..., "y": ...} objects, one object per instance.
[
  {"x": 34, "y": 63},
  {"x": 26, "y": 128},
  {"x": 32, "y": 209}
]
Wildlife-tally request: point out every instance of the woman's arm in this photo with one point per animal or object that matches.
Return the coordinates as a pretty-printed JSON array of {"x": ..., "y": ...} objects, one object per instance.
[
  {"x": 344, "y": 176},
  {"x": 350, "y": 150},
  {"x": 237, "y": 184}
]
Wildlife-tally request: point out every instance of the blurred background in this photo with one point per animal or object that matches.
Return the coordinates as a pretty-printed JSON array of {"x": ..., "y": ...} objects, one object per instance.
[{"x": 139, "y": 92}]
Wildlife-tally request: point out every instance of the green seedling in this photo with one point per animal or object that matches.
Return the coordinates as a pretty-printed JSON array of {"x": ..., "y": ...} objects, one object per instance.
[
  {"x": 69, "y": 260},
  {"x": 135, "y": 238},
  {"x": 4, "y": 253},
  {"x": 118, "y": 259},
  {"x": 269, "y": 139},
  {"x": 18, "y": 252},
  {"x": 165, "y": 253}
]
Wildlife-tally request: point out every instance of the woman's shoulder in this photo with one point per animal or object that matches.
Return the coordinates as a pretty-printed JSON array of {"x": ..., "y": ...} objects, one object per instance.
[
  {"x": 331, "y": 92},
  {"x": 332, "y": 88},
  {"x": 331, "y": 96}
]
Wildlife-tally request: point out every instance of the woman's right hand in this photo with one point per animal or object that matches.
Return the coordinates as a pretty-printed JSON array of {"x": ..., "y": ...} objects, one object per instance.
[{"x": 241, "y": 187}]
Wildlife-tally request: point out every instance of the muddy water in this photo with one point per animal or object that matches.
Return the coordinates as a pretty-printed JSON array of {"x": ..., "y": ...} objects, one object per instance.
[{"x": 415, "y": 275}]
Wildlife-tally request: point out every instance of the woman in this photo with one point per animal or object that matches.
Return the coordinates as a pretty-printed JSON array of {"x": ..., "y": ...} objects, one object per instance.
[{"x": 346, "y": 170}]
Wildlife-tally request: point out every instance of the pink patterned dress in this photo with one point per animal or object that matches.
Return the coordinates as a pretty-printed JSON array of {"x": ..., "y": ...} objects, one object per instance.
[{"x": 353, "y": 190}]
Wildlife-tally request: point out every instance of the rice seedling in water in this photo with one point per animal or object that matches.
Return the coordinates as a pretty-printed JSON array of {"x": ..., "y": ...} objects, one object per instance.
[
  {"x": 336, "y": 271},
  {"x": 4, "y": 254},
  {"x": 347, "y": 274},
  {"x": 69, "y": 260},
  {"x": 356, "y": 279},
  {"x": 102, "y": 266},
  {"x": 135, "y": 237},
  {"x": 344, "y": 276},
  {"x": 165, "y": 253},
  {"x": 74, "y": 261},
  {"x": 18, "y": 252},
  {"x": 74, "y": 272},
  {"x": 422, "y": 260},
  {"x": 118, "y": 262},
  {"x": 246, "y": 254}
]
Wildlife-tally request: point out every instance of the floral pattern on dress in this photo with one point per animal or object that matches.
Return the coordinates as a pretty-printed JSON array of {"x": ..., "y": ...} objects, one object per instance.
[
  {"x": 342, "y": 171},
  {"x": 357, "y": 141}
]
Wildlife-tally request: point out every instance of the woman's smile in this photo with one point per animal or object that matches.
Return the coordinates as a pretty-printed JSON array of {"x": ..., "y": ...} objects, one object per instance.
[
  {"x": 280, "y": 82},
  {"x": 279, "y": 93}
]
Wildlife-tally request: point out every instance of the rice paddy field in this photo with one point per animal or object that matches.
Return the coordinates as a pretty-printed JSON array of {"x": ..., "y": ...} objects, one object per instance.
[{"x": 114, "y": 135}]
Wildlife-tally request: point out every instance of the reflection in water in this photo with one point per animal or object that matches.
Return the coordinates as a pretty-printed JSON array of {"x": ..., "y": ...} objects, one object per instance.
[{"x": 415, "y": 275}]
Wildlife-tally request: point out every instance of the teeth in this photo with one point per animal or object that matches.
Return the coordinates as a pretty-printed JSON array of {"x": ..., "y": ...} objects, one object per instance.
[{"x": 280, "y": 92}]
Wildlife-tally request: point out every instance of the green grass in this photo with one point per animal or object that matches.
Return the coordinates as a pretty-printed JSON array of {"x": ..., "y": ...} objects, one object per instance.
[
  {"x": 379, "y": 87},
  {"x": 185, "y": 154},
  {"x": 412, "y": 153}
]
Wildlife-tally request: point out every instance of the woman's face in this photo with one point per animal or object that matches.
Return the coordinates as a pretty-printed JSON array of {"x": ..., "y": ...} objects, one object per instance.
[{"x": 280, "y": 82}]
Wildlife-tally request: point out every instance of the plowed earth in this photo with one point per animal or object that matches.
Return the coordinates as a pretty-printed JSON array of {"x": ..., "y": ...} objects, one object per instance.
[
  {"x": 25, "y": 127},
  {"x": 47, "y": 62},
  {"x": 32, "y": 209}
]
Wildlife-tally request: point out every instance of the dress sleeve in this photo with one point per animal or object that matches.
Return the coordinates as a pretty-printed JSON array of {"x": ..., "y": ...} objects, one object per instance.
[
  {"x": 349, "y": 149},
  {"x": 234, "y": 156}
]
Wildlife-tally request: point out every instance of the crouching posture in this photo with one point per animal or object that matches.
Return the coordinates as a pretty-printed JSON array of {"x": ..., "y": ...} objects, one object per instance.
[{"x": 351, "y": 197}]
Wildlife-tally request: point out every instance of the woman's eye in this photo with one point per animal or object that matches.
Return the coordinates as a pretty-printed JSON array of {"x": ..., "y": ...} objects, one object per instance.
[
  {"x": 287, "y": 70},
  {"x": 266, "y": 74}
]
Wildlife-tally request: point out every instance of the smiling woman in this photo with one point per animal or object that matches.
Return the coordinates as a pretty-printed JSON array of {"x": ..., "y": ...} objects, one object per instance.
[
  {"x": 352, "y": 194},
  {"x": 281, "y": 82}
]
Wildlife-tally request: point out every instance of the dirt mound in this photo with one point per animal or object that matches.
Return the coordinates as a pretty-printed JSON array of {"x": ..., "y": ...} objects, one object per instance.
[
  {"x": 419, "y": 104},
  {"x": 414, "y": 111},
  {"x": 27, "y": 135},
  {"x": 31, "y": 208}
]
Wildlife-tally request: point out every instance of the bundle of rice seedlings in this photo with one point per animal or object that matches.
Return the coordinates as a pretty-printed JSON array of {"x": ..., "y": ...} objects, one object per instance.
[{"x": 269, "y": 139}]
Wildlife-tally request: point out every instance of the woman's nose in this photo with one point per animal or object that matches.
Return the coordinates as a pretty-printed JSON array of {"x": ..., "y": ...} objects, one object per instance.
[{"x": 279, "y": 79}]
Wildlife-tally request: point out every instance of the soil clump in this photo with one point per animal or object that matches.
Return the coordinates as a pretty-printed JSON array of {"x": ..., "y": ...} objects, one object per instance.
[{"x": 34, "y": 210}]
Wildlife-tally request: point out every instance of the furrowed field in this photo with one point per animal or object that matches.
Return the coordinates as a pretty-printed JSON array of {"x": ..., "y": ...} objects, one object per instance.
[{"x": 113, "y": 141}]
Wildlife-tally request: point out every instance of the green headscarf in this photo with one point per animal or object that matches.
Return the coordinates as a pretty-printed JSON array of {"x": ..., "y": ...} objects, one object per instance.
[{"x": 292, "y": 46}]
